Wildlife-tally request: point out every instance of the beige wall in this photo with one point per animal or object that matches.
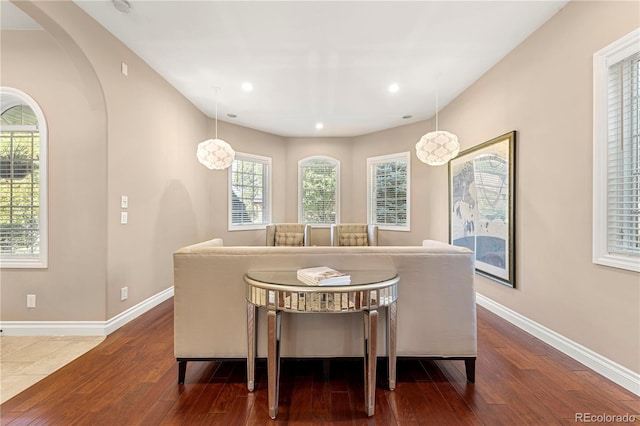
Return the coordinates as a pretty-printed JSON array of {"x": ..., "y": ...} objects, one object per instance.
[
  {"x": 337, "y": 148},
  {"x": 114, "y": 135},
  {"x": 153, "y": 133},
  {"x": 248, "y": 141},
  {"x": 73, "y": 286},
  {"x": 131, "y": 136},
  {"x": 392, "y": 141},
  {"x": 543, "y": 90},
  {"x": 143, "y": 139}
]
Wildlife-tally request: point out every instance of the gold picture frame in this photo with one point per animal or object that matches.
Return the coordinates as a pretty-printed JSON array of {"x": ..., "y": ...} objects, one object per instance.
[{"x": 482, "y": 206}]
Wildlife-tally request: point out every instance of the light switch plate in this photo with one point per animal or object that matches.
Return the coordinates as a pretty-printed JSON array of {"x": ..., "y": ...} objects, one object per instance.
[
  {"x": 124, "y": 201},
  {"x": 123, "y": 218}
]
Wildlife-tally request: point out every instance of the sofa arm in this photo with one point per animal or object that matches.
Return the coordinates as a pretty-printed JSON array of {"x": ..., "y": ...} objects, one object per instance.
[
  {"x": 215, "y": 242},
  {"x": 439, "y": 245}
]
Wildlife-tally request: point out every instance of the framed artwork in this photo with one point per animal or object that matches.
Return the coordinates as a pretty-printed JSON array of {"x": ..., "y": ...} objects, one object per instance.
[{"x": 482, "y": 206}]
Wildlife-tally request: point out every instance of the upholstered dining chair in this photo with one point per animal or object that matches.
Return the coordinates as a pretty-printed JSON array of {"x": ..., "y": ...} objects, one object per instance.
[
  {"x": 288, "y": 234},
  {"x": 354, "y": 234}
]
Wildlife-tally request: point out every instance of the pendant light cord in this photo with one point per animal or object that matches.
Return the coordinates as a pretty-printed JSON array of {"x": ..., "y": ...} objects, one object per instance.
[
  {"x": 436, "y": 109},
  {"x": 216, "y": 89}
]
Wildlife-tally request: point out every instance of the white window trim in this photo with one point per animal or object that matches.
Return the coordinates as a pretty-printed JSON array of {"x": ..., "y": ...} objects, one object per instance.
[
  {"x": 267, "y": 196},
  {"x": 40, "y": 260},
  {"x": 300, "y": 164},
  {"x": 406, "y": 156},
  {"x": 602, "y": 59}
]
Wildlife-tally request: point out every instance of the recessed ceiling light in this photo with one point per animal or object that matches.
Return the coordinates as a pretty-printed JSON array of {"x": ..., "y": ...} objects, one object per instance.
[
  {"x": 231, "y": 115},
  {"x": 247, "y": 86},
  {"x": 319, "y": 126},
  {"x": 122, "y": 5},
  {"x": 393, "y": 88}
]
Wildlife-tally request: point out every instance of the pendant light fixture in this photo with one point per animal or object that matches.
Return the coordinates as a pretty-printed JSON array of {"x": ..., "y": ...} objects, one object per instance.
[
  {"x": 215, "y": 154},
  {"x": 437, "y": 148},
  {"x": 122, "y": 6}
]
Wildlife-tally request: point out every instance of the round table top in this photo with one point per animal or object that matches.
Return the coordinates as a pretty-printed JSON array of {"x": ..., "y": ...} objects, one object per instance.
[
  {"x": 281, "y": 290},
  {"x": 288, "y": 281}
]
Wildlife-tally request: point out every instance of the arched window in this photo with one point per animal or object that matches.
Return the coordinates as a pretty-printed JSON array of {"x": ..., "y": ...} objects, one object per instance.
[
  {"x": 319, "y": 190},
  {"x": 23, "y": 181}
]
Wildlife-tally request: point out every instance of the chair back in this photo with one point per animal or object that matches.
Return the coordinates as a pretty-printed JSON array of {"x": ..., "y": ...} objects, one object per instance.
[
  {"x": 354, "y": 234},
  {"x": 288, "y": 234}
]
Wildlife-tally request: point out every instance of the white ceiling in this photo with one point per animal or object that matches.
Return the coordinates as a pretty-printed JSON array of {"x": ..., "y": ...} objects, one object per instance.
[
  {"x": 12, "y": 18},
  {"x": 322, "y": 61}
]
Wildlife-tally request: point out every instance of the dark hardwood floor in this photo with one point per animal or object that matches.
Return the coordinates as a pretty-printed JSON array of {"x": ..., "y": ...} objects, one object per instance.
[{"x": 131, "y": 378}]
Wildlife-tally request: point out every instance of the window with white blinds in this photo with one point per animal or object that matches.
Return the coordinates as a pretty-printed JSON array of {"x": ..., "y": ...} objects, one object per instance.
[
  {"x": 249, "y": 192},
  {"x": 23, "y": 178},
  {"x": 319, "y": 191},
  {"x": 388, "y": 191},
  {"x": 617, "y": 154}
]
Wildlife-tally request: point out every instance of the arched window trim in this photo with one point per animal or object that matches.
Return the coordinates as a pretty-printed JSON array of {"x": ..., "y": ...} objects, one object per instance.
[
  {"x": 301, "y": 164},
  {"x": 11, "y": 97}
]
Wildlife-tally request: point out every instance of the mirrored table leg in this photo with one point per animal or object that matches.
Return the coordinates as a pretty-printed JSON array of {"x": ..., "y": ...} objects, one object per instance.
[
  {"x": 391, "y": 343},
  {"x": 251, "y": 342},
  {"x": 273, "y": 360},
  {"x": 371, "y": 337}
]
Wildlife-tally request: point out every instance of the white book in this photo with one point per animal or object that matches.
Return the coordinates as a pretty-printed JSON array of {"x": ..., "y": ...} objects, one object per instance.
[{"x": 323, "y": 275}]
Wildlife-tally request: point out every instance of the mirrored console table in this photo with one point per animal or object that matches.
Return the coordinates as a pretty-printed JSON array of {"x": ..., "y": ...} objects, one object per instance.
[{"x": 280, "y": 291}]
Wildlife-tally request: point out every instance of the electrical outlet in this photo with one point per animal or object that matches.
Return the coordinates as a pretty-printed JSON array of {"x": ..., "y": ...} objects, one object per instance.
[
  {"x": 124, "y": 218},
  {"x": 124, "y": 293},
  {"x": 31, "y": 301}
]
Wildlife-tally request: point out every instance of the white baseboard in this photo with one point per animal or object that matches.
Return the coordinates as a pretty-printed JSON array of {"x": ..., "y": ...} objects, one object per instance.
[
  {"x": 613, "y": 371},
  {"x": 83, "y": 328},
  {"x": 135, "y": 311}
]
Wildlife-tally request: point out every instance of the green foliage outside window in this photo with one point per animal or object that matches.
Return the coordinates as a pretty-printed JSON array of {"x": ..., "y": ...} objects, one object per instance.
[
  {"x": 248, "y": 184},
  {"x": 19, "y": 182},
  {"x": 390, "y": 193},
  {"x": 319, "y": 191}
]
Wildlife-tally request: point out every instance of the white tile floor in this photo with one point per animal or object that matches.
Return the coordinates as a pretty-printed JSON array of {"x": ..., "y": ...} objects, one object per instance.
[{"x": 24, "y": 360}]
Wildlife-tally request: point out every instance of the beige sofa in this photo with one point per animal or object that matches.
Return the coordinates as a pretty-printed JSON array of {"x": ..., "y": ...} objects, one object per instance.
[{"x": 436, "y": 302}]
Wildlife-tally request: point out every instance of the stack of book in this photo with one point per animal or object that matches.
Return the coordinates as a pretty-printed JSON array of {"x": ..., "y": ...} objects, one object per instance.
[{"x": 323, "y": 275}]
